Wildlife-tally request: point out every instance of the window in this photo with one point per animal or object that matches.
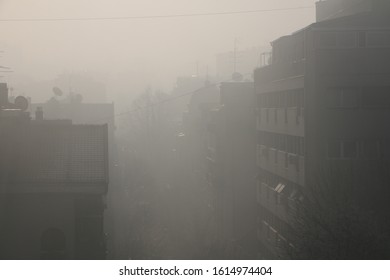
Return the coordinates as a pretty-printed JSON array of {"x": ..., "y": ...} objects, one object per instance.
[
  {"x": 376, "y": 97},
  {"x": 334, "y": 149},
  {"x": 350, "y": 149},
  {"x": 283, "y": 100},
  {"x": 362, "y": 39},
  {"x": 290, "y": 144},
  {"x": 337, "y": 40},
  {"x": 300, "y": 99},
  {"x": 302, "y": 145},
  {"x": 282, "y": 143},
  {"x": 290, "y": 100},
  {"x": 299, "y": 50},
  {"x": 259, "y": 100},
  {"x": 328, "y": 39},
  {"x": 378, "y": 39},
  {"x": 346, "y": 39},
  {"x": 276, "y": 115}
]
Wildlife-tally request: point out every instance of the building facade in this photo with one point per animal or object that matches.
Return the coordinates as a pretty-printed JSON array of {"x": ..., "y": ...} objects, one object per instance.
[
  {"x": 54, "y": 178},
  {"x": 322, "y": 104}
]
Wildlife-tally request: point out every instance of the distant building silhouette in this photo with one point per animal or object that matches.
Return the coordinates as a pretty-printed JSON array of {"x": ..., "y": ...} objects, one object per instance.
[
  {"x": 230, "y": 169},
  {"x": 242, "y": 61}
]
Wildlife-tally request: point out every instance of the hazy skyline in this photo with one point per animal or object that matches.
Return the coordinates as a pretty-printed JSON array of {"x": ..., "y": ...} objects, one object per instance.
[{"x": 132, "y": 54}]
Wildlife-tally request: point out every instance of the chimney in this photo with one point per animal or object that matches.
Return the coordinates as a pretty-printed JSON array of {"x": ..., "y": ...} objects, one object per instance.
[
  {"x": 3, "y": 95},
  {"x": 39, "y": 114}
]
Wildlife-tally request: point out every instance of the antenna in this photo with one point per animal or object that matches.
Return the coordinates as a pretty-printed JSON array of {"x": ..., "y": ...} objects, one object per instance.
[{"x": 235, "y": 55}]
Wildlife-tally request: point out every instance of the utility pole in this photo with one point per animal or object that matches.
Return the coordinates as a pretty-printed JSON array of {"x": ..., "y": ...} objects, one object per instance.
[{"x": 235, "y": 55}]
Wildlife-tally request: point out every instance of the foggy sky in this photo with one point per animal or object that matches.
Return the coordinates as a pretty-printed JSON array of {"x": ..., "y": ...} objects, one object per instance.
[{"x": 132, "y": 54}]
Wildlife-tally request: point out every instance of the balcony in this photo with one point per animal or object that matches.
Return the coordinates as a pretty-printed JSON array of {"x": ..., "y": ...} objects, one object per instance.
[
  {"x": 279, "y": 71},
  {"x": 286, "y": 165},
  {"x": 288, "y": 120}
]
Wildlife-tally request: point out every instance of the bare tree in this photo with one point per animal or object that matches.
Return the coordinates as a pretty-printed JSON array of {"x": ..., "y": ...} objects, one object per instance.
[{"x": 336, "y": 216}]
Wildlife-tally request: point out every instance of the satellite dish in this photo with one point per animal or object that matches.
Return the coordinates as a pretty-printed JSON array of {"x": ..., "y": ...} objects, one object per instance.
[
  {"x": 57, "y": 91},
  {"x": 77, "y": 98},
  {"x": 21, "y": 103}
]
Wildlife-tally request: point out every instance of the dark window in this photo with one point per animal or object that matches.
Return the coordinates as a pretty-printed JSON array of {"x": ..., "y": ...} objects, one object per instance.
[
  {"x": 277, "y": 145},
  {"x": 300, "y": 99},
  {"x": 337, "y": 40},
  {"x": 290, "y": 144},
  {"x": 299, "y": 50},
  {"x": 283, "y": 100},
  {"x": 378, "y": 39},
  {"x": 296, "y": 145},
  {"x": 283, "y": 143},
  {"x": 334, "y": 149},
  {"x": 276, "y": 115},
  {"x": 277, "y": 99},
  {"x": 362, "y": 39},
  {"x": 302, "y": 144},
  {"x": 259, "y": 101},
  {"x": 376, "y": 97},
  {"x": 290, "y": 100},
  {"x": 346, "y": 39},
  {"x": 350, "y": 149},
  {"x": 328, "y": 39}
]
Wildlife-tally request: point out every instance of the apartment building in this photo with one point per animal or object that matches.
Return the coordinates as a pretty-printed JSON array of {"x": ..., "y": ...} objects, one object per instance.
[
  {"x": 53, "y": 183},
  {"x": 322, "y": 102}
]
